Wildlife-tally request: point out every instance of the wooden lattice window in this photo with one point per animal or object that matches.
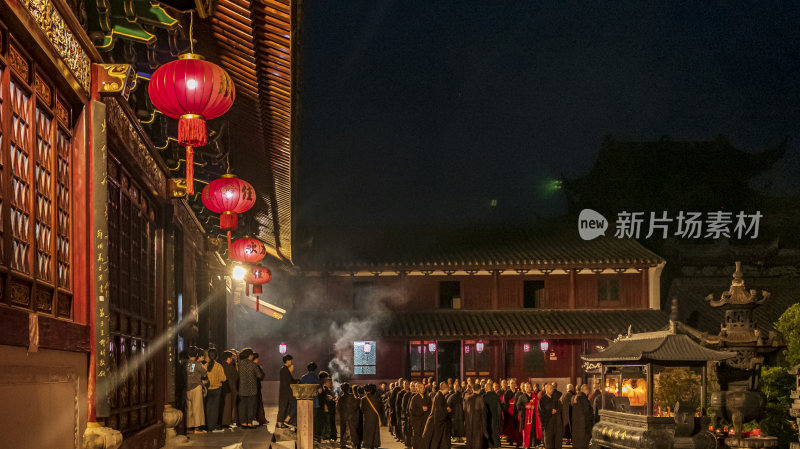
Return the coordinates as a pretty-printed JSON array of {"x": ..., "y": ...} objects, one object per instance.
[
  {"x": 35, "y": 185},
  {"x": 132, "y": 257}
]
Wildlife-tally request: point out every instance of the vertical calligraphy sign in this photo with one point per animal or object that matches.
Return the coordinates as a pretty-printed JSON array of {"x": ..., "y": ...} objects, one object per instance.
[{"x": 101, "y": 277}]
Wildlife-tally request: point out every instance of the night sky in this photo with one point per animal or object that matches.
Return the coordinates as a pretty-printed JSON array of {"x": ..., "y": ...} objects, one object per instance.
[{"x": 425, "y": 112}]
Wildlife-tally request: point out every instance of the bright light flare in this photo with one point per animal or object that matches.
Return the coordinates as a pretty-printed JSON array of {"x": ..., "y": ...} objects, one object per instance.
[{"x": 239, "y": 272}]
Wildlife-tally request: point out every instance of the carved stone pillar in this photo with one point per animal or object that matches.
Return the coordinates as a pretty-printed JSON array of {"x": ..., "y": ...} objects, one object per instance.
[
  {"x": 98, "y": 437},
  {"x": 305, "y": 394}
]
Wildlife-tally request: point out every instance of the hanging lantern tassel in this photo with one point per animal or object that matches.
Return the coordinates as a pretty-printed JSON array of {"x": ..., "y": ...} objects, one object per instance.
[
  {"x": 229, "y": 220},
  {"x": 258, "y": 300},
  {"x": 229, "y": 241},
  {"x": 189, "y": 170},
  {"x": 192, "y": 130}
]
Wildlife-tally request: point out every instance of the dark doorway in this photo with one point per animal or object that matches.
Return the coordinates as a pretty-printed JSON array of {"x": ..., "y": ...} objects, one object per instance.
[{"x": 449, "y": 365}]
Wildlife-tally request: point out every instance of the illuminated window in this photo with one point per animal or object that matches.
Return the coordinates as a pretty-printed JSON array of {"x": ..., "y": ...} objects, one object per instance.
[
  {"x": 364, "y": 359},
  {"x": 422, "y": 357}
]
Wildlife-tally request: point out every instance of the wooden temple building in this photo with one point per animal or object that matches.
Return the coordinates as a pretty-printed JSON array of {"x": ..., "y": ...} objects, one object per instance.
[
  {"x": 107, "y": 268},
  {"x": 456, "y": 303}
]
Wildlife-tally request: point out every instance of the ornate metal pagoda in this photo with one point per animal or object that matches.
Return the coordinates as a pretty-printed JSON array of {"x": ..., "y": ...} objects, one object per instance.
[
  {"x": 635, "y": 359},
  {"x": 739, "y": 400}
]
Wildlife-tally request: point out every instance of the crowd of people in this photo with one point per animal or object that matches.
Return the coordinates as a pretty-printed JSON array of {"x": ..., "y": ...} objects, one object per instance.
[
  {"x": 481, "y": 413},
  {"x": 220, "y": 392},
  {"x": 422, "y": 414}
]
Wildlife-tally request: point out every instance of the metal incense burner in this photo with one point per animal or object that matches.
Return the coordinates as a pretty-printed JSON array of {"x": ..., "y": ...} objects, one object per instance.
[{"x": 631, "y": 421}]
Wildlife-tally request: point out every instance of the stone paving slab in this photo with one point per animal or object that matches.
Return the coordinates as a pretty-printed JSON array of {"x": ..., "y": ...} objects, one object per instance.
[{"x": 261, "y": 438}]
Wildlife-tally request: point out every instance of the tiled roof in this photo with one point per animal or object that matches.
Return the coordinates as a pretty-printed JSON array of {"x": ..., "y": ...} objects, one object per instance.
[
  {"x": 258, "y": 46},
  {"x": 522, "y": 323},
  {"x": 553, "y": 246},
  {"x": 666, "y": 346}
]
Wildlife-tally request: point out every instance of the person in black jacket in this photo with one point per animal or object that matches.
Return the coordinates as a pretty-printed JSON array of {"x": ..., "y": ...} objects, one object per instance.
[
  {"x": 550, "y": 416},
  {"x": 493, "y": 415},
  {"x": 392, "y": 405},
  {"x": 285, "y": 396},
  {"x": 437, "y": 427},
  {"x": 582, "y": 419},
  {"x": 348, "y": 408}
]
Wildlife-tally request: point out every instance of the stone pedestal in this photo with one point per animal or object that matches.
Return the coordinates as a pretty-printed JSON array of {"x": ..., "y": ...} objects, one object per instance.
[
  {"x": 752, "y": 442},
  {"x": 98, "y": 437},
  {"x": 172, "y": 417},
  {"x": 305, "y": 394}
]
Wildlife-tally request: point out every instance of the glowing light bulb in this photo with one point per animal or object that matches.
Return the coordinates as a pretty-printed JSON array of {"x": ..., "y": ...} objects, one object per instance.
[
  {"x": 282, "y": 348},
  {"x": 191, "y": 84},
  {"x": 239, "y": 272}
]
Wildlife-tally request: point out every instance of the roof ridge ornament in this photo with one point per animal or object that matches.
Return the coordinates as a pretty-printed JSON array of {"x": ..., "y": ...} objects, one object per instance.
[{"x": 738, "y": 294}]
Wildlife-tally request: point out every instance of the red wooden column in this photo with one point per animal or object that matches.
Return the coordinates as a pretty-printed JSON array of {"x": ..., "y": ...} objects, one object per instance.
[
  {"x": 645, "y": 290},
  {"x": 495, "y": 289},
  {"x": 572, "y": 288}
]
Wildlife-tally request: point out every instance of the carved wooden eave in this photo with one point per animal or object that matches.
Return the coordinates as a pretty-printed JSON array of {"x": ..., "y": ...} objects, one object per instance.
[
  {"x": 257, "y": 43},
  {"x": 57, "y": 35},
  {"x": 121, "y": 122}
]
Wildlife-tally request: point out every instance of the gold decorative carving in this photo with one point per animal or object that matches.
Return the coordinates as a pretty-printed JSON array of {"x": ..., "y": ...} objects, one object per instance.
[
  {"x": 176, "y": 187},
  {"x": 124, "y": 129},
  {"x": 44, "y": 301},
  {"x": 43, "y": 91},
  {"x": 18, "y": 63},
  {"x": 115, "y": 80},
  {"x": 20, "y": 294},
  {"x": 64, "y": 308},
  {"x": 63, "y": 114},
  {"x": 64, "y": 41}
]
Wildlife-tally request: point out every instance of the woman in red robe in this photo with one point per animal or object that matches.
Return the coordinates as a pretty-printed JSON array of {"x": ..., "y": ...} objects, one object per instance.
[
  {"x": 532, "y": 430},
  {"x": 510, "y": 421}
]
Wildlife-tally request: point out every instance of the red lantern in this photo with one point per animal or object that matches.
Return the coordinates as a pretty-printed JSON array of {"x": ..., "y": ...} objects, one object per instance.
[
  {"x": 247, "y": 250},
  {"x": 259, "y": 276},
  {"x": 191, "y": 90},
  {"x": 229, "y": 196}
]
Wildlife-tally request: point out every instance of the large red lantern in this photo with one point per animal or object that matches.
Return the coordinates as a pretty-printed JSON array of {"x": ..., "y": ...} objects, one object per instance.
[
  {"x": 191, "y": 90},
  {"x": 247, "y": 250},
  {"x": 228, "y": 196},
  {"x": 259, "y": 276}
]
